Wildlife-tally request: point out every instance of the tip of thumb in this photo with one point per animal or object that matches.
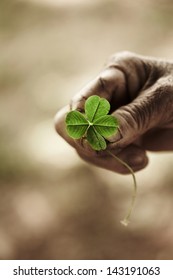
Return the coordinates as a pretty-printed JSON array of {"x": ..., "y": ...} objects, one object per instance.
[
  {"x": 127, "y": 132},
  {"x": 115, "y": 137}
]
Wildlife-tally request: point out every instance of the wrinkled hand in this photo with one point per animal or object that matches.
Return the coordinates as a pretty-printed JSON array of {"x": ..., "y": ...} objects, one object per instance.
[{"x": 140, "y": 91}]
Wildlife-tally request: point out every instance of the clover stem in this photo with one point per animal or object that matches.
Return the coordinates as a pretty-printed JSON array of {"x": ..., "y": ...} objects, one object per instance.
[{"x": 126, "y": 219}]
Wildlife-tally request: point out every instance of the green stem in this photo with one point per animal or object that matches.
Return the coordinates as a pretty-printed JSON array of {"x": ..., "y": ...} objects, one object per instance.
[{"x": 126, "y": 219}]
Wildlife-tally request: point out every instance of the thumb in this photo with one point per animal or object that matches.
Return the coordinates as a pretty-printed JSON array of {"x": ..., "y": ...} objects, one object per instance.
[{"x": 142, "y": 114}]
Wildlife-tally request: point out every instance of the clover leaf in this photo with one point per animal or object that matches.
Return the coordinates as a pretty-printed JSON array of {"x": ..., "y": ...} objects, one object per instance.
[
  {"x": 95, "y": 124},
  {"x": 76, "y": 124},
  {"x": 96, "y": 107}
]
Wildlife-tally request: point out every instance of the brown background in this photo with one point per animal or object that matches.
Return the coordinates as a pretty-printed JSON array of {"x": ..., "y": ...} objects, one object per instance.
[{"x": 52, "y": 204}]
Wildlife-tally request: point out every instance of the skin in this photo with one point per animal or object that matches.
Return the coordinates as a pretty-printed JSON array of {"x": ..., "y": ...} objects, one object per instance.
[{"x": 140, "y": 91}]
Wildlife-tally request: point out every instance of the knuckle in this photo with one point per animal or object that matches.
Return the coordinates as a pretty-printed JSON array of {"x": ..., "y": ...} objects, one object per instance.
[
  {"x": 103, "y": 83},
  {"x": 77, "y": 102},
  {"x": 123, "y": 55},
  {"x": 164, "y": 99},
  {"x": 122, "y": 61},
  {"x": 134, "y": 68}
]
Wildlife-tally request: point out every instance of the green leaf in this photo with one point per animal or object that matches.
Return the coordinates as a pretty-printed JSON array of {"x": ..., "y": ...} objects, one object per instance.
[
  {"x": 76, "y": 124},
  {"x": 95, "y": 124},
  {"x": 96, "y": 141},
  {"x": 95, "y": 107},
  {"x": 106, "y": 125}
]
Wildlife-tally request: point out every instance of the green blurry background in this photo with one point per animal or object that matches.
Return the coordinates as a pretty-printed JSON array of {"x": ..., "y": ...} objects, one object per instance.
[{"x": 52, "y": 204}]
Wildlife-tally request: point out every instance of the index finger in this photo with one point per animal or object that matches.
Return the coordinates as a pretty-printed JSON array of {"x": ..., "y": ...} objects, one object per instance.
[{"x": 109, "y": 84}]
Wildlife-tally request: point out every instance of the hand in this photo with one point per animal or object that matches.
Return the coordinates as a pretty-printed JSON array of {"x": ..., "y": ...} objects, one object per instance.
[{"x": 140, "y": 91}]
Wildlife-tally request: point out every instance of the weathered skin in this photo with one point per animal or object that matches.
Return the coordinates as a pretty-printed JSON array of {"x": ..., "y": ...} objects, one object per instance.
[{"x": 140, "y": 90}]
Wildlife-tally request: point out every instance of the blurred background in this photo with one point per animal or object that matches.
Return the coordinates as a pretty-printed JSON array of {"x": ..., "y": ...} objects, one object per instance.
[{"x": 52, "y": 204}]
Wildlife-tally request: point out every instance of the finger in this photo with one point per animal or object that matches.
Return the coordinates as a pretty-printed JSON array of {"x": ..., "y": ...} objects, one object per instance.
[
  {"x": 159, "y": 140},
  {"x": 60, "y": 126},
  {"x": 133, "y": 155},
  {"x": 152, "y": 108},
  {"x": 105, "y": 85}
]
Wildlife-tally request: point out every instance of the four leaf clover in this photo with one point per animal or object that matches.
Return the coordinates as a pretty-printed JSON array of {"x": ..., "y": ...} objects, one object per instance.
[{"x": 95, "y": 124}]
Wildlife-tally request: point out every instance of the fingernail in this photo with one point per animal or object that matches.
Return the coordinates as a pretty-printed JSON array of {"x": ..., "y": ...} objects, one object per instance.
[
  {"x": 84, "y": 144},
  {"x": 114, "y": 138}
]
